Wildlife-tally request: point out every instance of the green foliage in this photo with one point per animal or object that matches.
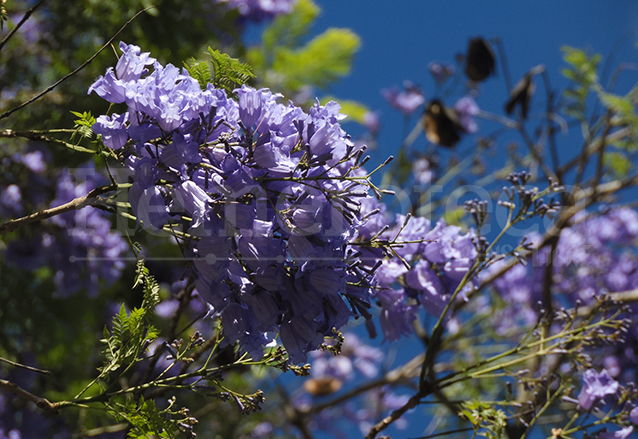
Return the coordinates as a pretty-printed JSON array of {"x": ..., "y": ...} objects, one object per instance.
[
  {"x": 131, "y": 332},
  {"x": 285, "y": 64},
  {"x": 622, "y": 109},
  {"x": 199, "y": 70},
  {"x": 228, "y": 73},
  {"x": 287, "y": 30},
  {"x": 453, "y": 217},
  {"x": 582, "y": 72},
  {"x": 323, "y": 60},
  {"x": 83, "y": 125},
  {"x": 492, "y": 422},
  {"x": 147, "y": 421},
  {"x": 619, "y": 163}
]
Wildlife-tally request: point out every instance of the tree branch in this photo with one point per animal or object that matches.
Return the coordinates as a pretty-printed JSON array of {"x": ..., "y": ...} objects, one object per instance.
[
  {"x": 43, "y": 403},
  {"x": 86, "y": 63},
  {"x": 78, "y": 203},
  {"x": 26, "y": 16},
  {"x": 31, "y": 135}
]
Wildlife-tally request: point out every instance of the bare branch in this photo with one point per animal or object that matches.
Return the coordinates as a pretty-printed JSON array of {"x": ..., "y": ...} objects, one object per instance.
[
  {"x": 78, "y": 203},
  {"x": 27, "y": 14},
  {"x": 43, "y": 403},
  {"x": 24, "y": 366}
]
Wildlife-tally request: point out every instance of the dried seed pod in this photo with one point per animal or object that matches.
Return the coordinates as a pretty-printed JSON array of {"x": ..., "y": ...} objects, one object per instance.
[
  {"x": 480, "y": 61},
  {"x": 521, "y": 94},
  {"x": 441, "y": 124}
]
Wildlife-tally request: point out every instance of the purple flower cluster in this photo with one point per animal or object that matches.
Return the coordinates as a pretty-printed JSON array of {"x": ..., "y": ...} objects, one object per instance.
[
  {"x": 433, "y": 263},
  {"x": 258, "y": 10},
  {"x": 356, "y": 359},
  {"x": 406, "y": 100},
  {"x": 594, "y": 256},
  {"x": 80, "y": 245},
  {"x": 87, "y": 252},
  {"x": 440, "y": 72},
  {"x": 467, "y": 108},
  {"x": 597, "y": 386},
  {"x": 269, "y": 194}
]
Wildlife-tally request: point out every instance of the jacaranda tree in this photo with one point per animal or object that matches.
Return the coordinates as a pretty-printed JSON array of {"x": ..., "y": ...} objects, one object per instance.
[{"x": 194, "y": 246}]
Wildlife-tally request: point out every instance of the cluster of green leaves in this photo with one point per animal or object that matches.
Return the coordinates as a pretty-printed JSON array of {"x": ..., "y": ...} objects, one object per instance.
[
  {"x": 148, "y": 421},
  {"x": 486, "y": 420},
  {"x": 228, "y": 73},
  {"x": 621, "y": 111},
  {"x": 287, "y": 64},
  {"x": 132, "y": 332},
  {"x": 581, "y": 71}
]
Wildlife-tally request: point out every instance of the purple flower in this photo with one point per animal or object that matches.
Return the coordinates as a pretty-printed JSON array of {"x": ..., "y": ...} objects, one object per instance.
[
  {"x": 132, "y": 64},
  {"x": 149, "y": 206},
  {"x": 11, "y": 201},
  {"x": 371, "y": 122},
  {"x": 466, "y": 108},
  {"x": 597, "y": 386},
  {"x": 34, "y": 161},
  {"x": 406, "y": 100},
  {"x": 633, "y": 415},
  {"x": 194, "y": 200},
  {"x": 258, "y": 10},
  {"x": 262, "y": 430},
  {"x": 440, "y": 72},
  {"x": 112, "y": 129},
  {"x": 396, "y": 315},
  {"x": 422, "y": 172},
  {"x": 623, "y": 433},
  {"x": 264, "y": 185}
]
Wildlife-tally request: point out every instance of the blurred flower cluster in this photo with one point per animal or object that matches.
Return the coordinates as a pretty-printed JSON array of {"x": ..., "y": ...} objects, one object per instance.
[
  {"x": 595, "y": 256},
  {"x": 258, "y": 10}
]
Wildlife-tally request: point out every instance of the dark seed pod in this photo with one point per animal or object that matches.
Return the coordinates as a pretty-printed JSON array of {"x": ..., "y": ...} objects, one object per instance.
[
  {"x": 480, "y": 61},
  {"x": 441, "y": 124},
  {"x": 521, "y": 94}
]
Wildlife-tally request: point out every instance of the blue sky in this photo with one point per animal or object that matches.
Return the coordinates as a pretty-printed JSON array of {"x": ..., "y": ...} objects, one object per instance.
[
  {"x": 399, "y": 41},
  {"x": 401, "y": 38}
]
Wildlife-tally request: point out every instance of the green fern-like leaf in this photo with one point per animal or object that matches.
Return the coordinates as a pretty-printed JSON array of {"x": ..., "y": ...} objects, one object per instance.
[
  {"x": 286, "y": 30},
  {"x": 581, "y": 71},
  {"x": 83, "y": 125},
  {"x": 131, "y": 332},
  {"x": 229, "y": 73},
  {"x": 321, "y": 61},
  {"x": 199, "y": 70}
]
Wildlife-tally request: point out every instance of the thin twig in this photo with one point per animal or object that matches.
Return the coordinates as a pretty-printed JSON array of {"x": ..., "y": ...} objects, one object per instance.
[
  {"x": 396, "y": 414},
  {"x": 86, "y": 63},
  {"x": 24, "y": 366},
  {"x": 32, "y": 135},
  {"x": 395, "y": 376},
  {"x": 596, "y": 144},
  {"x": 6, "y": 39}
]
